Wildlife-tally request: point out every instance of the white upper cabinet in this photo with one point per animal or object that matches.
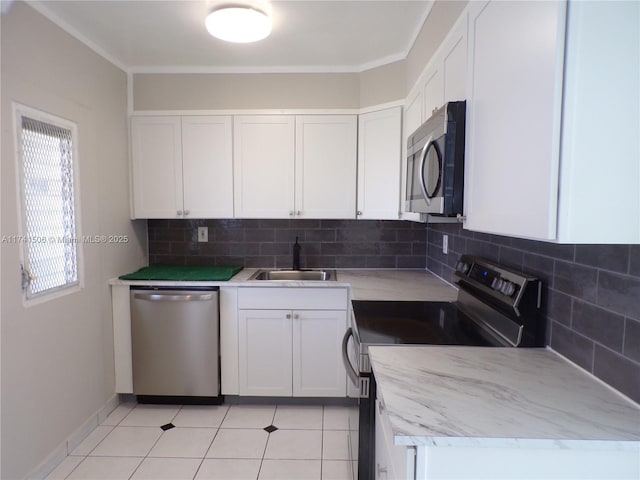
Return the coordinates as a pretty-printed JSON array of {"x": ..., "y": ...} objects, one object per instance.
[
  {"x": 207, "y": 167},
  {"x": 445, "y": 77},
  {"x": 599, "y": 194},
  {"x": 512, "y": 117},
  {"x": 156, "y": 167},
  {"x": 552, "y": 129},
  {"x": 181, "y": 167},
  {"x": 454, "y": 62},
  {"x": 325, "y": 167},
  {"x": 263, "y": 159},
  {"x": 295, "y": 166},
  {"x": 433, "y": 96},
  {"x": 379, "y": 162}
]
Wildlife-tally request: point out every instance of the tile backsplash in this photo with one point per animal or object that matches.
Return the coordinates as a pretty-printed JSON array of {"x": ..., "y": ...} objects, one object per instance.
[
  {"x": 591, "y": 297},
  {"x": 268, "y": 243}
]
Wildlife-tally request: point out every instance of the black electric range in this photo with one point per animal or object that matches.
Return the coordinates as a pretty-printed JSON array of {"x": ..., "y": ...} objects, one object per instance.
[{"x": 496, "y": 307}]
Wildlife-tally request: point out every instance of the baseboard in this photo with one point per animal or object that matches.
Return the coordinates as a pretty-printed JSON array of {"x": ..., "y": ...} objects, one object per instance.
[{"x": 66, "y": 447}]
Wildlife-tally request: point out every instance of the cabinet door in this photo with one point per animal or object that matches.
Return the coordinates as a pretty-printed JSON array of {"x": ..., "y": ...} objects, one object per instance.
[
  {"x": 433, "y": 97},
  {"x": 454, "y": 62},
  {"x": 265, "y": 354},
  {"x": 379, "y": 161},
  {"x": 392, "y": 462},
  {"x": 207, "y": 167},
  {"x": 326, "y": 166},
  {"x": 156, "y": 161},
  {"x": 513, "y": 114},
  {"x": 263, "y": 160},
  {"x": 317, "y": 358}
]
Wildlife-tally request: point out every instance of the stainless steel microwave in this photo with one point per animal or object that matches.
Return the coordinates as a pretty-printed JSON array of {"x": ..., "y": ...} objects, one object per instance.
[{"x": 435, "y": 163}]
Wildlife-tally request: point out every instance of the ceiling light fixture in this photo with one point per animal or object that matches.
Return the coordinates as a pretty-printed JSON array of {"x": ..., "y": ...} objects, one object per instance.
[{"x": 238, "y": 23}]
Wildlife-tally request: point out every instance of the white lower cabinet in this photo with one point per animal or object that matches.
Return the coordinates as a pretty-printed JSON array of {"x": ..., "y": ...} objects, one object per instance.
[
  {"x": 317, "y": 360},
  {"x": 292, "y": 351},
  {"x": 266, "y": 356},
  {"x": 392, "y": 462}
]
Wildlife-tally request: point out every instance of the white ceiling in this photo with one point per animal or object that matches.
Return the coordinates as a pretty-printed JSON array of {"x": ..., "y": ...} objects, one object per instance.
[{"x": 308, "y": 35}]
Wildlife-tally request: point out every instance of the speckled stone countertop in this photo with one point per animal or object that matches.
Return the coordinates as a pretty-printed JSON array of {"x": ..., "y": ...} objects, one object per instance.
[
  {"x": 402, "y": 285},
  {"x": 499, "y": 397}
]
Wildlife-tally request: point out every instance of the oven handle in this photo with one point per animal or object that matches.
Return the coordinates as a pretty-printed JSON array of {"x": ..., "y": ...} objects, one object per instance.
[{"x": 351, "y": 372}]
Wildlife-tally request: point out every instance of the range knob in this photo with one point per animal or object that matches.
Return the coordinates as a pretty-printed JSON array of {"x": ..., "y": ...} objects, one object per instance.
[
  {"x": 497, "y": 283},
  {"x": 462, "y": 267},
  {"x": 508, "y": 288}
]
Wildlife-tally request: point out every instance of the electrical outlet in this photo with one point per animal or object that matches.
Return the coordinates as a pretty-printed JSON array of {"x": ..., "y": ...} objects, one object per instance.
[
  {"x": 203, "y": 234},
  {"x": 445, "y": 244}
]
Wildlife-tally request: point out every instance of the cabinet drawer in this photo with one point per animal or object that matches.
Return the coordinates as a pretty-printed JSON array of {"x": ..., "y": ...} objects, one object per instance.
[{"x": 293, "y": 298}]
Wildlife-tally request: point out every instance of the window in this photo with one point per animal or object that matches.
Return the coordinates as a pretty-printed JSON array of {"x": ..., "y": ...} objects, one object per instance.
[{"x": 46, "y": 166}]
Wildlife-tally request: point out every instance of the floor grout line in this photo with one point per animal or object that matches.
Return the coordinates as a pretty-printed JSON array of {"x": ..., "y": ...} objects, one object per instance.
[{"x": 292, "y": 422}]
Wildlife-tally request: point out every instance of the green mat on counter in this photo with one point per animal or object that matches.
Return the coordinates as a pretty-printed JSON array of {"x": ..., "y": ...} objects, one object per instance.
[{"x": 188, "y": 274}]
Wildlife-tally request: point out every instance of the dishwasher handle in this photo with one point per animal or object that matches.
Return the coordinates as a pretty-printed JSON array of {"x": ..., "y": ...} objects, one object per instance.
[{"x": 164, "y": 297}]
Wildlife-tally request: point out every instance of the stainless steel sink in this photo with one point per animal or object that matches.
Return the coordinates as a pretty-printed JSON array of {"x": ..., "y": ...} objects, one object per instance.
[{"x": 293, "y": 275}]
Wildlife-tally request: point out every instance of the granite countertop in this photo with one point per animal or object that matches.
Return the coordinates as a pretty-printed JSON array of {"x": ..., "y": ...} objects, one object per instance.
[
  {"x": 497, "y": 397},
  {"x": 403, "y": 285}
]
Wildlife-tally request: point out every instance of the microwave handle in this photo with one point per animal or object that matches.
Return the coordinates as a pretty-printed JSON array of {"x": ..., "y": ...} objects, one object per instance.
[{"x": 423, "y": 160}]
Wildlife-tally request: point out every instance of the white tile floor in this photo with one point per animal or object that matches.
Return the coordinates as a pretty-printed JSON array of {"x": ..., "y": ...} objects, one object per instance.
[{"x": 218, "y": 443}]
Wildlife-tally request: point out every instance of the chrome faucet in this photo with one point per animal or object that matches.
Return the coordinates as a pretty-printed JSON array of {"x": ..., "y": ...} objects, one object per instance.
[{"x": 296, "y": 255}]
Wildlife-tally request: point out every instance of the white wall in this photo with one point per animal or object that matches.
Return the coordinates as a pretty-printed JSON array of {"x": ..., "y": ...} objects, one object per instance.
[{"x": 57, "y": 357}]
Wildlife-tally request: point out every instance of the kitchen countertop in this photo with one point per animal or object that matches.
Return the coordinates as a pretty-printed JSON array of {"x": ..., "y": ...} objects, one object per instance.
[
  {"x": 499, "y": 397},
  {"x": 404, "y": 285}
]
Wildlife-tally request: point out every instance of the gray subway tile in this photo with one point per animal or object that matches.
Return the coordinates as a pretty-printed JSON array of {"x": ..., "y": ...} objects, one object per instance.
[
  {"x": 555, "y": 250},
  {"x": 260, "y": 235},
  {"x": 483, "y": 249},
  {"x": 631, "y": 347},
  {"x": 575, "y": 347},
  {"x": 600, "y": 325},
  {"x": 275, "y": 249},
  {"x": 576, "y": 280},
  {"x": 538, "y": 266},
  {"x": 380, "y": 261},
  {"x": 559, "y": 306},
  {"x": 511, "y": 258},
  {"x": 411, "y": 261},
  {"x": 619, "y": 372},
  {"x": 619, "y": 293},
  {"x": 607, "y": 257},
  {"x": 634, "y": 260}
]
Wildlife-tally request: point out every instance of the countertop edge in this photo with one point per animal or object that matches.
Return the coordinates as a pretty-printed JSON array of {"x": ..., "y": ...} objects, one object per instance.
[{"x": 364, "y": 284}]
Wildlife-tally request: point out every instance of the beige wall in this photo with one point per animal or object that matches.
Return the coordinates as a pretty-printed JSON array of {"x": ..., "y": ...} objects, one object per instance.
[
  {"x": 269, "y": 90},
  {"x": 383, "y": 84},
  {"x": 57, "y": 357},
  {"x": 442, "y": 17},
  {"x": 245, "y": 91}
]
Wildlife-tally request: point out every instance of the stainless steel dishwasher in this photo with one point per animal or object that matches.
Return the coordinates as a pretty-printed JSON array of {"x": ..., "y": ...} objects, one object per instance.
[{"x": 175, "y": 341}]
